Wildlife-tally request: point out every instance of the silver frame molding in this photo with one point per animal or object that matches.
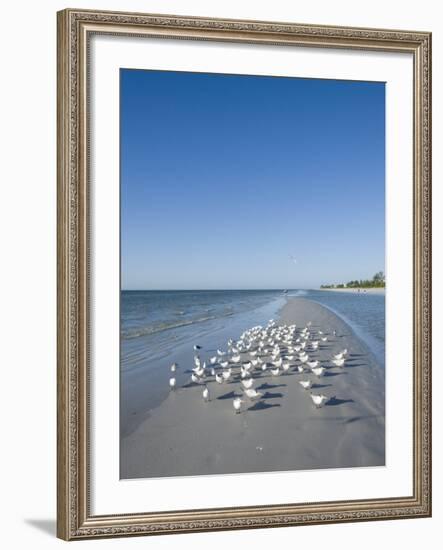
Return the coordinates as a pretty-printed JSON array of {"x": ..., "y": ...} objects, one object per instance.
[{"x": 74, "y": 519}]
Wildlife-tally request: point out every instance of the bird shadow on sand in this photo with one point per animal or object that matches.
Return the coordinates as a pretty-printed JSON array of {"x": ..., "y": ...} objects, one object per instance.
[
  {"x": 269, "y": 395},
  {"x": 229, "y": 395},
  {"x": 261, "y": 406},
  {"x": 357, "y": 355},
  {"x": 266, "y": 386},
  {"x": 327, "y": 374},
  {"x": 192, "y": 385},
  {"x": 353, "y": 365},
  {"x": 334, "y": 401},
  {"x": 357, "y": 418},
  {"x": 318, "y": 386}
]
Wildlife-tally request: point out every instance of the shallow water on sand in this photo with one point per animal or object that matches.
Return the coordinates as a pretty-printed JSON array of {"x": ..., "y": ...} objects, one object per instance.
[
  {"x": 145, "y": 359},
  {"x": 152, "y": 320},
  {"x": 363, "y": 312}
]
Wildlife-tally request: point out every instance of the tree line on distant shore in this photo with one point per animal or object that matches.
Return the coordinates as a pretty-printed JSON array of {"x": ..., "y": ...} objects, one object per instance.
[{"x": 377, "y": 281}]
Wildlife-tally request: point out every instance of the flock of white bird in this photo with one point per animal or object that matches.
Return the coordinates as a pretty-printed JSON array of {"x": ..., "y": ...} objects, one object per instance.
[{"x": 278, "y": 349}]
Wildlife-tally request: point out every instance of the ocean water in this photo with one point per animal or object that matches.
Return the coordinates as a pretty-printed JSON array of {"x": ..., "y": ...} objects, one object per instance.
[
  {"x": 364, "y": 312},
  {"x": 151, "y": 320}
]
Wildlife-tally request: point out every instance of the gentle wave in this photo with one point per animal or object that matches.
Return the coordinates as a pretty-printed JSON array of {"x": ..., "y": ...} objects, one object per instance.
[
  {"x": 155, "y": 329},
  {"x": 299, "y": 293}
]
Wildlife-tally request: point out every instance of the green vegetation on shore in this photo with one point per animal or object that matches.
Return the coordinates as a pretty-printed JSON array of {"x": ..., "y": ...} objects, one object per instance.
[{"x": 377, "y": 281}]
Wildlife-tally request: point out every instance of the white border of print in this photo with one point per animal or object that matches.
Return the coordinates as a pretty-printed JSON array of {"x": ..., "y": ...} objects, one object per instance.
[{"x": 109, "y": 495}]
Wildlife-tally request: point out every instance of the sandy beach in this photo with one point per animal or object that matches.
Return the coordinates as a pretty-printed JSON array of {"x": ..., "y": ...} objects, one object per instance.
[{"x": 184, "y": 435}]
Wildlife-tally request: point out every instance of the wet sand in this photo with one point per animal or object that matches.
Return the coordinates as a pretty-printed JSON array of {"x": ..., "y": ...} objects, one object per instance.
[{"x": 284, "y": 430}]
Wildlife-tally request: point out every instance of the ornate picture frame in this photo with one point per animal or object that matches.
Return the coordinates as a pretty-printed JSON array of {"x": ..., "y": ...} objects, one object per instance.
[{"x": 75, "y": 29}]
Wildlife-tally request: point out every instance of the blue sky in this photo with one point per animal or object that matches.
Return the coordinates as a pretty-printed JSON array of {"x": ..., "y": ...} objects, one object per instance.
[{"x": 224, "y": 178}]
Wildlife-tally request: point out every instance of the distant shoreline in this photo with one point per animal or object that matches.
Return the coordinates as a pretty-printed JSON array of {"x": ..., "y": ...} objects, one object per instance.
[{"x": 359, "y": 290}]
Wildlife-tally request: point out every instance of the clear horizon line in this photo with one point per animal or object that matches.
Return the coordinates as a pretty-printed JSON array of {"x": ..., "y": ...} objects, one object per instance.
[{"x": 211, "y": 289}]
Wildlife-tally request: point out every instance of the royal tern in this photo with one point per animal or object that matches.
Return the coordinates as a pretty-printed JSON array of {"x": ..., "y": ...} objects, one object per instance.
[
  {"x": 252, "y": 394},
  {"x": 237, "y": 404},
  {"x": 319, "y": 400},
  {"x": 206, "y": 394},
  {"x": 319, "y": 371}
]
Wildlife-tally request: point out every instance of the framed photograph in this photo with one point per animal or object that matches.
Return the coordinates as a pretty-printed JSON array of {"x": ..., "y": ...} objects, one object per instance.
[{"x": 244, "y": 283}]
